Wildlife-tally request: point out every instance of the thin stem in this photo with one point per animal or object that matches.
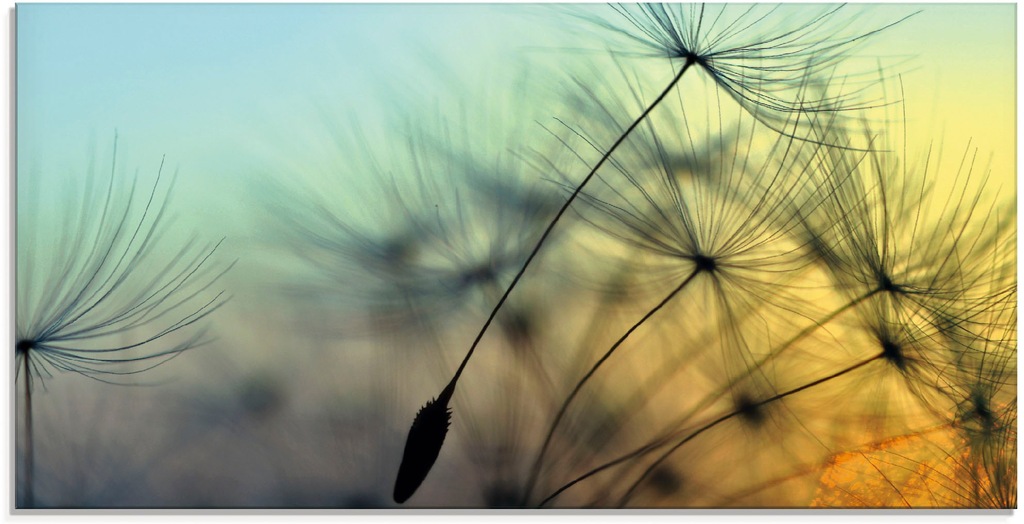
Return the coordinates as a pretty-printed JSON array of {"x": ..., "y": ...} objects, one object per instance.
[
  {"x": 773, "y": 354},
  {"x": 650, "y": 447},
  {"x": 732, "y": 414},
  {"x": 29, "y": 498},
  {"x": 665, "y": 372},
  {"x": 535, "y": 471},
  {"x": 689, "y": 62},
  {"x": 449, "y": 390}
]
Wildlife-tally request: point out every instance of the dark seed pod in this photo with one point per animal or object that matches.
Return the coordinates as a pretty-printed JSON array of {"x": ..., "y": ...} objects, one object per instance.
[{"x": 426, "y": 436}]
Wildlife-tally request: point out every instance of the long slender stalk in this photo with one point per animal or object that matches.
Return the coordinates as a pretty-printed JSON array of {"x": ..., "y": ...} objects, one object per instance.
[
  {"x": 431, "y": 426},
  {"x": 535, "y": 470},
  {"x": 666, "y": 372},
  {"x": 563, "y": 209},
  {"x": 773, "y": 354},
  {"x": 29, "y": 498},
  {"x": 732, "y": 414},
  {"x": 650, "y": 447}
]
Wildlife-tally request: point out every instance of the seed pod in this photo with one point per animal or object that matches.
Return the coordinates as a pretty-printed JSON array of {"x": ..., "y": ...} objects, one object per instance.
[{"x": 426, "y": 436}]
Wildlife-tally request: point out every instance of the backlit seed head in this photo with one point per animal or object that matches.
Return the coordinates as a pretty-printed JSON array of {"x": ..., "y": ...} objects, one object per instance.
[
  {"x": 426, "y": 436},
  {"x": 893, "y": 353},
  {"x": 23, "y": 346},
  {"x": 750, "y": 410}
]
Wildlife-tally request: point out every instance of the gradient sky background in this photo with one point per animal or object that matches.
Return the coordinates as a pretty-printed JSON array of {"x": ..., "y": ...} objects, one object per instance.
[
  {"x": 204, "y": 84},
  {"x": 235, "y": 93}
]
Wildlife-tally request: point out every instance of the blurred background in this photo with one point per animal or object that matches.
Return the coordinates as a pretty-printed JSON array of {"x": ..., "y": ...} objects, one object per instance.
[{"x": 419, "y": 132}]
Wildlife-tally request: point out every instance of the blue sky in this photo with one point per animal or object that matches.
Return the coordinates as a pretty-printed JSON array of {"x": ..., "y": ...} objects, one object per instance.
[
  {"x": 219, "y": 88},
  {"x": 176, "y": 78}
]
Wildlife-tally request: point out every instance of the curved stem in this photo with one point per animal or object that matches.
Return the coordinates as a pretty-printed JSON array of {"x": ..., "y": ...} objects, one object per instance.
[
  {"x": 650, "y": 447},
  {"x": 449, "y": 389},
  {"x": 535, "y": 470},
  {"x": 665, "y": 372},
  {"x": 732, "y": 414},
  {"x": 562, "y": 210},
  {"x": 773, "y": 354}
]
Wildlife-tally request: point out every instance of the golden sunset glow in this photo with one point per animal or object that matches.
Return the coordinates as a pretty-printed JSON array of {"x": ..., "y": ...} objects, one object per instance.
[{"x": 491, "y": 256}]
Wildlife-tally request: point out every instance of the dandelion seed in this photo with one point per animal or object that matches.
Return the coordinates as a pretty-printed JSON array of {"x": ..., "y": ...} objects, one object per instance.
[
  {"x": 727, "y": 229},
  {"x": 931, "y": 262},
  {"x": 766, "y": 57},
  {"x": 690, "y": 59},
  {"x": 887, "y": 231},
  {"x": 106, "y": 301},
  {"x": 985, "y": 415},
  {"x": 426, "y": 436},
  {"x": 100, "y": 291}
]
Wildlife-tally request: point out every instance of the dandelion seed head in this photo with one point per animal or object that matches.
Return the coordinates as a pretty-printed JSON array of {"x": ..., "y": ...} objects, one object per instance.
[
  {"x": 771, "y": 59},
  {"x": 399, "y": 252},
  {"x": 933, "y": 261},
  {"x": 23, "y": 346},
  {"x": 481, "y": 274},
  {"x": 450, "y": 225},
  {"x": 704, "y": 263},
  {"x": 112, "y": 296},
  {"x": 751, "y": 411},
  {"x": 893, "y": 352},
  {"x": 727, "y": 217},
  {"x": 980, "y": 410},
  {"x": 886, "y": 284}
]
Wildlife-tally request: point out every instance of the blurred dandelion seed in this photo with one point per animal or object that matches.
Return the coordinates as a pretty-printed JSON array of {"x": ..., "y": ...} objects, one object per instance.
[{"x": 449, "y": 233}]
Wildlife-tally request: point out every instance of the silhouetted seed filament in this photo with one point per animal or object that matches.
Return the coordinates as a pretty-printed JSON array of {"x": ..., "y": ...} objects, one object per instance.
[
  {"x": 773, "y": 354},
  {"x": 410, "y": 486},
  {"x": 667, "y": 371}
]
